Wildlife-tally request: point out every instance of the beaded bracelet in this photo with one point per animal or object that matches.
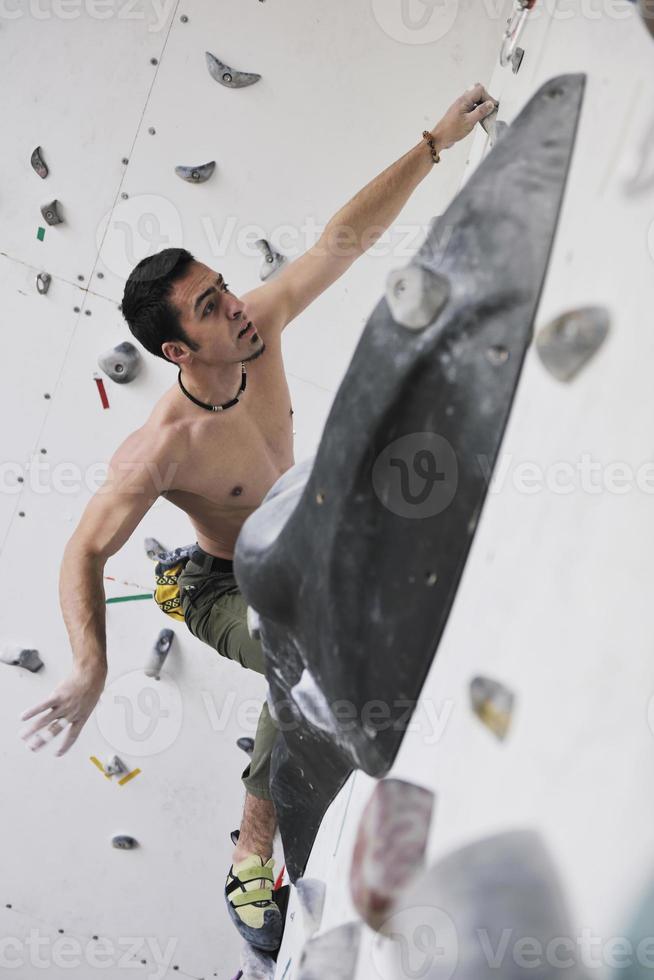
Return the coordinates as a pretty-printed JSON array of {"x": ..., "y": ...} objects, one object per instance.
[{"x": 434, "y": 152}]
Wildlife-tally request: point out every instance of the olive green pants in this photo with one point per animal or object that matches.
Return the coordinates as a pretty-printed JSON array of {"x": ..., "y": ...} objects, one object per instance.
[{"x": 216, "y": 613}]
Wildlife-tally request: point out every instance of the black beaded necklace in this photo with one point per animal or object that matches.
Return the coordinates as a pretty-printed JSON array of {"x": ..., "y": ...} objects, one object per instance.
[{"x": 216, "y": 408}]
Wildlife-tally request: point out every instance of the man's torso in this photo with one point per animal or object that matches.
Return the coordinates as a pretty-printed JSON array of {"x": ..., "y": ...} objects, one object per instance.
[{"x": 230, "y": 459}]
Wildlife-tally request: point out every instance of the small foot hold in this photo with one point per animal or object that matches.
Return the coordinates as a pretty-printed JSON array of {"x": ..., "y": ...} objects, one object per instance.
[
  {"x": 121, "y": 363},
  {"x": 52, "y": 214},
  {"x": 227, "y": 76},
  {"x": 16, "y": 656},
  {"x": 43, "y": 281},
  {"x": 38, "y": 163},
  {"x": 246, "y": 745},
  {"x": 567, "y": 343},
  {"x": 196, "y": 175},
  {"x": 493, "y": 703},
  {"x": 272, "y": 260},
  {"x": 159, "y": 653},
  {"x": 124, "y": 843},
  {"x": 154, "y": 549}
]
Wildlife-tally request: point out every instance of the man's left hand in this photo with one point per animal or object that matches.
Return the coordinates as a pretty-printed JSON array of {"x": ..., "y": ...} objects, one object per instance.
[{"x": 463, "y": 115}]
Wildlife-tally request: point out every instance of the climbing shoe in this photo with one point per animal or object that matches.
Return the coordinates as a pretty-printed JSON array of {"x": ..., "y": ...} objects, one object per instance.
[{"x": 250, "y": 902}]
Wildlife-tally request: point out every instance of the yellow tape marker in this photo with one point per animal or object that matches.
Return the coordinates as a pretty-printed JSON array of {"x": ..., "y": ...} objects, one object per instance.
[
  {"x": 96, "y": 762},
  {"x": 130, "y": 775}
]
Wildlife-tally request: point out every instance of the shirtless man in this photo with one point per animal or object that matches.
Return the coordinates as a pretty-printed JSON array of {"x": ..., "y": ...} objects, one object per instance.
[{"x": 217, "y": 466}]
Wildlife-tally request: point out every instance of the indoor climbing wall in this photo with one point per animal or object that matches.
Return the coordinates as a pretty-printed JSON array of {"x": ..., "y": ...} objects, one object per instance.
[
  {"x": 513, "y": 836},
  {"x": 127, "y": 120}
]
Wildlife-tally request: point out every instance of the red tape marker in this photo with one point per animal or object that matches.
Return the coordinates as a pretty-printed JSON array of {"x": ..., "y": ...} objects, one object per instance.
[{"x": 103, "y": 394}]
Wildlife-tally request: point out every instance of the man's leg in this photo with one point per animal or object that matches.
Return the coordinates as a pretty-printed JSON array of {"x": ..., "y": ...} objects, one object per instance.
[{"x": 221, "y": 622}]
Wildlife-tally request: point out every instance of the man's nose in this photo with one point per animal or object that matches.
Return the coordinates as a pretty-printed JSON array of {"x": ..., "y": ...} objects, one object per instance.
[{"x": 238, "y": 311}]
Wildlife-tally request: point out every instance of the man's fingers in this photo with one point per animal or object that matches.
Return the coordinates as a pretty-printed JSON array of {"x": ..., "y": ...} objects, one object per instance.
[
  {"x": 37, "y": 709},
  {"x": 482, "y": 111},
  {"x": 474, "y": 95},
  {"x": 38, "y": 725},
  {"x": 70, "y": 739}
]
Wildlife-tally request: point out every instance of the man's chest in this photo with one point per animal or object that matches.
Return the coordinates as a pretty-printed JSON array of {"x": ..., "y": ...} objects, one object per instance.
[{"x": 233, "y": 460}]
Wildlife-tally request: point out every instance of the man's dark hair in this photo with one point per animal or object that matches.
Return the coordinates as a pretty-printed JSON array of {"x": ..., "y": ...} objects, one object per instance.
[{"x": 146, "y": 305}]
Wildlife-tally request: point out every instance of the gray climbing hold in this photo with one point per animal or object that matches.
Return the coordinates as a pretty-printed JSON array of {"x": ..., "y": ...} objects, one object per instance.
[
  {"x": 124, "y": 843},
  {"x": 256, "y": 965},
  {"x": 246, "y": 745},
  {"x": 16, "y": 656},
  {"x": 390, "y": 847},
  {"x": 254, "y": 623},
  {"x": 333, "y": 955},
  {"x": 115, "y": 767},
  {"x": 311, "y": 893},
  {"x": 43, "y": 281},
  {"x": 154, "y": 549},
  {"x": 160, "y": 651},
  {"x": 493, "y": 127},
  {"x": 229, "y": 77},
  {"x": 567, "y": 343},
  {"x": 196, "y": 175},
  {"x": 51, "y": 213},
  {"x": 38, "y": 163},
  {"x": 272, "y": 260},
  {"x": 121, "y": 363},
  {"x": 452, "y": 919},
  {"x": 416, "y": 295},
  {"x": 493, "y": 704}
]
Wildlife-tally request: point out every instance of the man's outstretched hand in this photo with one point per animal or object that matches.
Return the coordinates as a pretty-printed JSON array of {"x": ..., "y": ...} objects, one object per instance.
[
  {"x": 463, "y": 115},
  {"x": 66, "y": 710}
]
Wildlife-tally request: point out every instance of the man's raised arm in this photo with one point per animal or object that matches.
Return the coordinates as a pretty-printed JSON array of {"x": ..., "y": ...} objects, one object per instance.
[{"x": 363, "y": 220}]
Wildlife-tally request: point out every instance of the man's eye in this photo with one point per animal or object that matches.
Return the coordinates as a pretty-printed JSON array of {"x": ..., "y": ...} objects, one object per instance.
[
  {"x": 226, "y": 287},
  {"x": 206, "y": 309}
]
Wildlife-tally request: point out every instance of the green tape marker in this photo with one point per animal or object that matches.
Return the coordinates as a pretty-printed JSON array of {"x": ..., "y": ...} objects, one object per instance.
[
  {"x": 130, "y": 598},
  {"x": 40, "y": 234}
]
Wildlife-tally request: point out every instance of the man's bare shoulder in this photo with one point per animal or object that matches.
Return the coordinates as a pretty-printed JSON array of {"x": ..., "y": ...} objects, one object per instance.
[{"x": 162, "y": 440}]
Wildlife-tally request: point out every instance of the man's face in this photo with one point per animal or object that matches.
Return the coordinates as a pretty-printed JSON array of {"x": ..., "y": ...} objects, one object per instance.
[{"x": 214, "y": 318}]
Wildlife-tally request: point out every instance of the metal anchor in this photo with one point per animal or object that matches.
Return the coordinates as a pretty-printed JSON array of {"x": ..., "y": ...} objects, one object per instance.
[{"x": 510, "y": 53}]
